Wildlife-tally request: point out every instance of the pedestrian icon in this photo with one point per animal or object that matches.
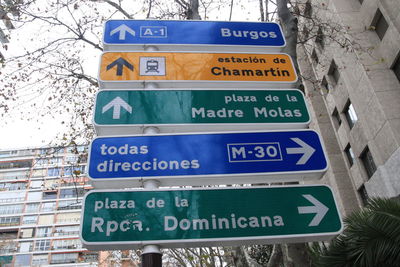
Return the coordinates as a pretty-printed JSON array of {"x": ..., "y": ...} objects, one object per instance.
[{"x": 152, "y": 66}]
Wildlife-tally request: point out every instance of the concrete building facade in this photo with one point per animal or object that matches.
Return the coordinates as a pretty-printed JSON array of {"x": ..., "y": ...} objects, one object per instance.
[
  {"x": 350, "y": 62},
  {"x": 41, "y": 194}
]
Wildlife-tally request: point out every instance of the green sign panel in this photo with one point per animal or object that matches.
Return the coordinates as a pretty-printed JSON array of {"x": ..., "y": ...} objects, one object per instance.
[
  {"x": 122, "y": 111},
  {"x": 208, "y": 217}
]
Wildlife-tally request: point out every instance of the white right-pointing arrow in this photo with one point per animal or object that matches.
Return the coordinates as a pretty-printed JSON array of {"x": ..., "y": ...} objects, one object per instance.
[
  {"x": 117, "y": 103},
  {"x": 122, "y": 29},
  {"x": 319, "y": 209},
  {"x": 304, "y": 149}
]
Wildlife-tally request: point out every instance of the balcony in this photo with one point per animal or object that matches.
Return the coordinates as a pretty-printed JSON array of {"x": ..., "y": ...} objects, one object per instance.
[{"x": 62, "y": 261}]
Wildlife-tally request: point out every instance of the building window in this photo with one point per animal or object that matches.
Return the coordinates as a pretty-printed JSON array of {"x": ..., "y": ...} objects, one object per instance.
[
  {"x": 9, "y": 221},
  {"x": 66, "y": 230},
  {"x": 54, "y": 172},
  {"x": 50, "y": 195},
  {"x": 25, "y": 246},
  {"x": 319, "y": 38},
  {"x": 42, "y": 245},
  {"x": 69, "y": 205},
  {"x": 66, "y": 244},
  {"x": 68, "y": 217},
  {"x": 368, "y": 162},
  {"x": 70, "y": 193},
  {"x": 12, "y": 186},
  {"x": 11, "y": 209},
  {"x": 16, "y": 164},
  {"x": 39, "y": 260},
  {"x": 73, "y": 170},
  {"x": 27, "y": 233},
  {"x": 43, "y": 232},
  {"x": 363, "y": 195},
  {"x": 31, "y": 219},
  {"x": 33, "y": 207},
  {"x": 380, "y": 24},
  {"x": 46, "y": 219},
  {"x": 396, "y": 67},
  {"x": 48, "y": 206},
  {"x": 33, "y": 196},
  {"x": 8, "y": 234},
  {"x": 38, "y": 173},
  {"x": 337, "y": 120},
  {"x": 36, "y": 184},
  {"x": 350, "y": 155},
  {"x": 23, "y": 260},
  {"x": 350, "y": 114},
  {"x": 64, "y": 258},
  {"x": 333, "y": 72}
]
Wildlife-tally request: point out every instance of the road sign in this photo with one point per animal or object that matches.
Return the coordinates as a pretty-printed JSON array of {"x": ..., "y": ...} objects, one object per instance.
[
  {"x": 209, "y": 158},
  {"x": 129, "y": 111},
  {"x": 126, "y": 70},
  {"x": 172, "y": 35},
  {"x": 208, "y": 217}
]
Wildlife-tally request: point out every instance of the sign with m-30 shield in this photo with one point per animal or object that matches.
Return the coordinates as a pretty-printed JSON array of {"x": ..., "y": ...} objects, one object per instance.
[{"x": 208, "y": 158}]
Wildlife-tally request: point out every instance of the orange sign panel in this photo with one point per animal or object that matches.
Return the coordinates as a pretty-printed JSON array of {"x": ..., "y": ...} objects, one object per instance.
[{"x": 181, "y": 66}]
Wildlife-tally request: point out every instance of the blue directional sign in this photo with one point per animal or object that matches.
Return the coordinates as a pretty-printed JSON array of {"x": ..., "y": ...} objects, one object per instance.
[
  {"x": 210, "y": 158},
  {"x": 122, "y": 35}
]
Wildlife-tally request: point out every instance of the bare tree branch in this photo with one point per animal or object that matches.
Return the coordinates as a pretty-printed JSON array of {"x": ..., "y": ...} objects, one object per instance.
[
  {"x": 230, "y": 11},
  {"x": 262, "y": 15},
  {"x": 119, "y": 8}
]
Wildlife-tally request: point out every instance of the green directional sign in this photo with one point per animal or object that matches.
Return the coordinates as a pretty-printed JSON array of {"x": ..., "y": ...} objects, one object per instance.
[
  {"x": 208, "y": 217},
  {"x": 127, "y": 111}
]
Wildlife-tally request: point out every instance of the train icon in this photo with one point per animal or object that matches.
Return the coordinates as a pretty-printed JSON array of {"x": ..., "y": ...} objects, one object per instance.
[{"x": 152, "y": 66}]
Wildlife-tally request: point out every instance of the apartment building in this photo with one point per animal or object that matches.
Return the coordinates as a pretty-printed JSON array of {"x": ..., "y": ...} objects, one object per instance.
[
  {"x": 350, "y": 63},
  {"x": 41, "y": 194}
]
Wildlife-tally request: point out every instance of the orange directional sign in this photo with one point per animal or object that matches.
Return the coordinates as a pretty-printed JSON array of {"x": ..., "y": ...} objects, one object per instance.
[{"x": 175, "y": 69}]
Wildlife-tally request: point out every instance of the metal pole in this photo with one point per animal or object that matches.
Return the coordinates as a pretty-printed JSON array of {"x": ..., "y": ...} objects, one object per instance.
[{"x": 151, "y": 255}]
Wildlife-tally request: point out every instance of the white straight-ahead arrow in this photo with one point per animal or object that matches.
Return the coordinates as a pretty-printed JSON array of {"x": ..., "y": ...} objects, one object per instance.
[
  {"x": 117, "y": 103},
  {"x": 319, "y": 209},
  {"x": 304, "y": 149},
  {"x": 122, "y": 29}
]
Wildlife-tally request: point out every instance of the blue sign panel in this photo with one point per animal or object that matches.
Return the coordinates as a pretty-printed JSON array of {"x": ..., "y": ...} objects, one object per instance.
[
  {"x": 192, "y": 33},
  {"x": 212, "y": 158}
]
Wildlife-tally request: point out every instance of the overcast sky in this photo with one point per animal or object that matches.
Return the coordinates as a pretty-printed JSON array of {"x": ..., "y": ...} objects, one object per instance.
[{"x": 18, "y": 132}]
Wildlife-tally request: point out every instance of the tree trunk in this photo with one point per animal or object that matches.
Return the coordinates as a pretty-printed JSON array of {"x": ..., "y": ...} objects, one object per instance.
[
  {"x": 293, "y": 254},
  {"x": 193, "y": 10},
  {"x": 276, "y": 257},
  {"x": 241, "y": 258},
  {"x": 290, "y": 30}
]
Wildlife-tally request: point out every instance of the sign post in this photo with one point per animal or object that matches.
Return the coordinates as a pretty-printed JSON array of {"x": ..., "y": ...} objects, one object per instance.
[
  {"x": 120, "y": 112},
  {"x": 208, "y": 217},
  {"x": 126, "y": 70},
  {"x": 209, "y": 158}
]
